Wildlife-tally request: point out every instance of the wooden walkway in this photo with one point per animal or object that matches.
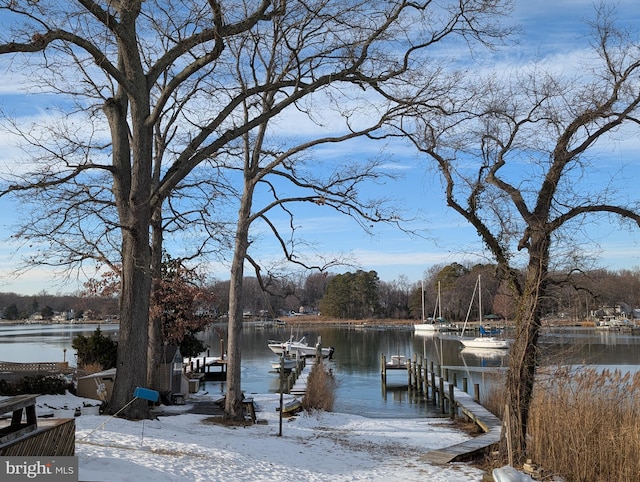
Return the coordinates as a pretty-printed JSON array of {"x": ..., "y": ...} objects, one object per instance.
[
  {"x": 489, "y": 423},
  {"x": 300, "y": 386}
]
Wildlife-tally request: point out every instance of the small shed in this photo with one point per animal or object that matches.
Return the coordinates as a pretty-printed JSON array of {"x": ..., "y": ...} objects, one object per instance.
[
  {"x": 98, "y": 386},
  {"x": 170, "y": 377}
]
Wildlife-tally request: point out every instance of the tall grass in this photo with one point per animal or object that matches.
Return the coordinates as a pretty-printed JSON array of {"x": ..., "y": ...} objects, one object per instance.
[
  {"x": 321, "y": 389},
  {"x": 585, "y": 425}
]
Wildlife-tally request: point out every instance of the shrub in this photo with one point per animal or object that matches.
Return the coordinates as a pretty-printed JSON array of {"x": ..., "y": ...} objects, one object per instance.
[
  {"x": 96, "y": 349},
  {"x": 321, "y": 389},
  {"x": 41, "y": 384}
]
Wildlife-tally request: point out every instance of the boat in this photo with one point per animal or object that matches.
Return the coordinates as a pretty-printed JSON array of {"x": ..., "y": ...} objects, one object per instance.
[
  {"x": 435, "y": 324},
  {"x": 485, "y": 340},
  {"x": 292, "y": 348},
  {"x": 292, "y": 407},
  {"x": 489, "y": 353},
  {"x": 397, "y": 361},
  {"x": 289, "y": 364}
]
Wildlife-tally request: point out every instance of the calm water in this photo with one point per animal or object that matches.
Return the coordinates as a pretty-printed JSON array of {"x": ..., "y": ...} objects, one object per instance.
[{"x": 356, "y": 360}]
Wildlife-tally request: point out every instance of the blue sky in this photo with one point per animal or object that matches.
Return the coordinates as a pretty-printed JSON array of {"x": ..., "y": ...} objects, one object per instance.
[{"x": 553, "y": 31}]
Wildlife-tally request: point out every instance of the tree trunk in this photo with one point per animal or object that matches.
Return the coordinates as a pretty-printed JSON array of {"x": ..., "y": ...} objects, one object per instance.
[
  {"x": 233, "y": 400},
  {"x": 132, "y": 174},
  {"x": 155, "y": 349},
  {"x": 523, "y": 356},
  {"x": 134, "y": 314}
]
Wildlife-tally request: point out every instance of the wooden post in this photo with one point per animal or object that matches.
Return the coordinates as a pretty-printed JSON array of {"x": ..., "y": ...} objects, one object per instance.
[
  {"x": 441, "y": 393},
  {"x": 455, "y": 379},
  {"x": 446, "y": 374},
  {"x": 476, "y": 393},
  {"x": 452, "y": 402},
  {"x": 433, "y": 385},
  {"x": 281, "y": 391},
  {"x": 319, "y": 349},
  {"x": 409, "y": 373},
  {"x": 383, "y": 368}
]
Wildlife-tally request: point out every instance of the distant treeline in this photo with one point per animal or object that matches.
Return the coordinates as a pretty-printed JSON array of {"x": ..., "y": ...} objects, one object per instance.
[{"x": 362, "y": 295}]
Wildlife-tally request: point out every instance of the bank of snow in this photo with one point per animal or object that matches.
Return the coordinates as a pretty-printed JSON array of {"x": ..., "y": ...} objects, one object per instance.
[{"x": 318, "y": 447}]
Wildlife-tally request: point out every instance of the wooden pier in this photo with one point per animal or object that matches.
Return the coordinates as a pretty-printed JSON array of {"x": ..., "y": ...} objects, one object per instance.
[
  {"x": 211, "y": 367},
  {"x": 300, "y": 386},
  {"x": 439, "y": 390}
]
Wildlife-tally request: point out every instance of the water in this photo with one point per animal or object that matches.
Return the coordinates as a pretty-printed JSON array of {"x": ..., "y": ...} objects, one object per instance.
[
  {"x": 44, "y": 343},
  {"x": 357, "y": 358}
]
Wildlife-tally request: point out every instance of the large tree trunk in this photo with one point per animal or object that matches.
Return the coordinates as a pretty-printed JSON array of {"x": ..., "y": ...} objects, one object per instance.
[
  {"x": 523, "y": 356},
  {"x": 134, "y": 314},
  {"x": 155, "y": 349},
  {"x": 233, "y": 400},
  {"x": 132, "y": 160}
]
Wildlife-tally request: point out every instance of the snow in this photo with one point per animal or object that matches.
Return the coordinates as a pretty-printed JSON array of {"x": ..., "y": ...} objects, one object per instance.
[{"x": 321, "y": 446}]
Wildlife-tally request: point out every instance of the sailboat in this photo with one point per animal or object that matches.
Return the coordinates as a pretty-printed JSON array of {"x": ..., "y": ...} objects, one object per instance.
[
  {"x": 432, "y": 325},
  {"x": 483, "y": 341}
]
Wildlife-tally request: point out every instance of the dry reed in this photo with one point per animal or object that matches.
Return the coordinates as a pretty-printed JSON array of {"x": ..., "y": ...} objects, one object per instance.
[
  {"x": 321, "y": 389},
  {"x": 584, "y": 425}
]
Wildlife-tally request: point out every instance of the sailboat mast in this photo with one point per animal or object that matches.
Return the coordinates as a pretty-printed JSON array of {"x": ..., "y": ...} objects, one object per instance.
[
  {"x": 439, "y": 302},
  {"x": 422, "y": 283},
  {"x": 480, "y": 300}
]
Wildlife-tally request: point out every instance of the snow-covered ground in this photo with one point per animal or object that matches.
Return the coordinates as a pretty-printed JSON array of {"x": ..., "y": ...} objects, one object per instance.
[{"x": 318, "y": 447}]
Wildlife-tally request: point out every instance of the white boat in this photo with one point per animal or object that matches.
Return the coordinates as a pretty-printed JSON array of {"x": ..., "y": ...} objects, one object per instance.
[
  {"x": 484, "y": 353},
  {"x": 292, "y": 348},
  {"x": 436, "y": 324},
  {"x": 397, "y": 361},
  {"x": 289, "y": 364},
  {"x": 482, "y": 341},
  {"x": 487, "y": 342}
]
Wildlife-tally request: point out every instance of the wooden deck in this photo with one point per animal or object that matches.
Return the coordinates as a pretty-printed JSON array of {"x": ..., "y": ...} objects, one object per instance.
[
  {"x": 12, "y": 371},
  {"x": 489, "y": 423},
  {"x": 51, "y": 438}
]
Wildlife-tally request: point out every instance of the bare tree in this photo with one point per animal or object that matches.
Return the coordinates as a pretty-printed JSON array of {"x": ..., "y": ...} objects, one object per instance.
[
  {"x": 150, "y": 104},
  {"x": 519, "y": 161}
]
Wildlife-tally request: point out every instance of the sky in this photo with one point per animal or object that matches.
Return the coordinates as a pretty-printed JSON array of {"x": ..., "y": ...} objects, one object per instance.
[
  {"x": 316, "y": 447},
  {"x": 553, "y": 32}
]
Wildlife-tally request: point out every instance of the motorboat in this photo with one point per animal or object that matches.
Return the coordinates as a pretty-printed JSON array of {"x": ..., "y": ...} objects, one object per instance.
[
  {"x": 397, "y": 361},
  {"x": 287, "y": 364},
  {"x": 293, "y": 348}
]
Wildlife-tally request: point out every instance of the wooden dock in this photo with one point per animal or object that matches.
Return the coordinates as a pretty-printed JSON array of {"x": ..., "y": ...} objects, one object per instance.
[
  {"x": 472, "y": 410},
  {"x": 212, "y": 367},
  {"x": 438, "y": 390},
  {"x": 300, "y": 386}
]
